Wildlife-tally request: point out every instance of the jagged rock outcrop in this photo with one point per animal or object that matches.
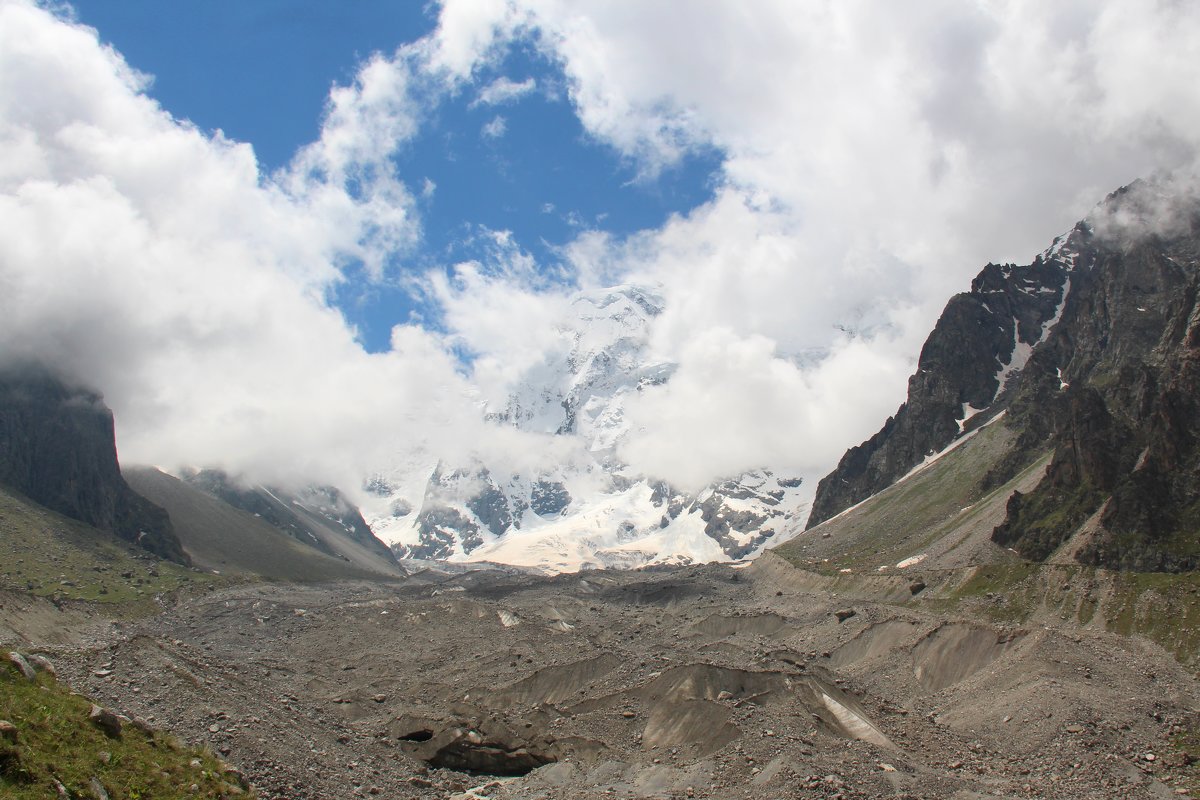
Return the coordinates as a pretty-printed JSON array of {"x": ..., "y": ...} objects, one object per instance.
[
  {"x": 58, "y": 448},
  {"x": 1122, "y": 424},
  {"x": 982, "y": 338},
  {"x": 1110, "y": 386}
]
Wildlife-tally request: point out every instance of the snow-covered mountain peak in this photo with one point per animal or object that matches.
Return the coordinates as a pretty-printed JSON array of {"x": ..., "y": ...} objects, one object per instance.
[{"x": 593, "y": 510}]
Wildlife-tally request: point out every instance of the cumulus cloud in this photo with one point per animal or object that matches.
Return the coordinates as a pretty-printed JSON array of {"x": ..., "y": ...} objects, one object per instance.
[
  {"x": 158, "y": 264},
  {"x": 873, "y": 158},
  {"x": 734, "y": 405}
]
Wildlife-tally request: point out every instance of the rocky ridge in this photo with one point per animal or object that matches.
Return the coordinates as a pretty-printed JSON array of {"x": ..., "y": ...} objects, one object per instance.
[
  {"x": 1100, "y": 371},
  {"x": 317, "y": 516}
]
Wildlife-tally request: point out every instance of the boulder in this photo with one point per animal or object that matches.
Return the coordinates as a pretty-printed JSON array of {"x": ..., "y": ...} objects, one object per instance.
[
  {"x": 106, "y": 720},
  {"x": 22, "y": 664}
]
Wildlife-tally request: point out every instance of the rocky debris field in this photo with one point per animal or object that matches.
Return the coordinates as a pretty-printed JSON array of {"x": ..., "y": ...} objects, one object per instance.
[{"x": 690, "y": 682}]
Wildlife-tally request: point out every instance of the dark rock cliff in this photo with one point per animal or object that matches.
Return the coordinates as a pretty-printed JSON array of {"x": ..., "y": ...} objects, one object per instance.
[
  {"x": 57, "y": 447},
  {"x": 1111, "y": 388},
  {"x": 979, "y": 340},
  {"x": 1126, "y": 459}
]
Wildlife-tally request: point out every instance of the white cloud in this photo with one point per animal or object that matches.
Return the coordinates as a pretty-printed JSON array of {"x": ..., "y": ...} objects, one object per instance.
[
  {"x": 875, "y": 156},
  {"x": 347, "y": 175},
  {"x": 504, "y": 90},
  {"x": 145, "y": 258},
  {"x": 495, "y": 128},
  {"x": 735, "y": 405},
  {"x": 874, "y": 159}
]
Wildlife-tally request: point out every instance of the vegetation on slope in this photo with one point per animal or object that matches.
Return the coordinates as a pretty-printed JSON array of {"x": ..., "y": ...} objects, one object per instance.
[
  {"x": 52, "y": 743},
  {"x": 946, "y": 504},
  {"x": 49, "y": 555}
]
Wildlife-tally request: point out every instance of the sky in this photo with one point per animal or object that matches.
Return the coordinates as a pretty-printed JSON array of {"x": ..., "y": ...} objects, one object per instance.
[{"x": 282, "y": 237}]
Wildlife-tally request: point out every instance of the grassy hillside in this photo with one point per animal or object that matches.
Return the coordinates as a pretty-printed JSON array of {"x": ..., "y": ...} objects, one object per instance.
[
  {"x": 941, "y": 512},
  {"x": 49, "y": 555},
  {"x": 943, "y": 515},
  {"x": 55, "y": 743}
]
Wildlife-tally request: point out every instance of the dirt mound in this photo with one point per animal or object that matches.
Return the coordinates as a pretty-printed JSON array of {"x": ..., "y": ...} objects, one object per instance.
[
  {"x": 553, "y": 684},
  {"x": 709, "y": 682},
  {"x": 699, "y": 722},
  {"x": 956, "y": 651},
  {"x": 875, "y": 641},
  {"x": 678, "y": 691},
  {"x": 721, "y": 626}
]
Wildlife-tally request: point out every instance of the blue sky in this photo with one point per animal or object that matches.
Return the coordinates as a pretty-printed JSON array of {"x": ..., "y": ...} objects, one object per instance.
[{"x": 261, "y": 72}]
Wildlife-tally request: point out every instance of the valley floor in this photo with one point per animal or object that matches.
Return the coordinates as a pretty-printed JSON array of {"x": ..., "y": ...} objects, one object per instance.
[{"x": 691, "y": 682}]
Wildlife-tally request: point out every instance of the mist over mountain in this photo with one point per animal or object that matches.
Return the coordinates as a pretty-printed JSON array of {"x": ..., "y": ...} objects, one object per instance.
[
  {"x": 593, "y": 508},
  {"x": 57, "y": 449}
]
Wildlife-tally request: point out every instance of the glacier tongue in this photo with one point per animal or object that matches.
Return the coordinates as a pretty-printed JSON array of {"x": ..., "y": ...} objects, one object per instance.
[{"x": 590, "y": 512}]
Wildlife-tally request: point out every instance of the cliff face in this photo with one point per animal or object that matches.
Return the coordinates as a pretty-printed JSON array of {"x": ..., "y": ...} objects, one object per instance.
[
  {"x": 967, "y": 365},
  {"x": 1109, "y": 383},
  {"x": 57, "y": 447}
]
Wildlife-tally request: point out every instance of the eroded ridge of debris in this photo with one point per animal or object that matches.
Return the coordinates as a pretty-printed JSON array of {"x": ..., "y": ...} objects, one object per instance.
[{"x": 691, "y": 682}]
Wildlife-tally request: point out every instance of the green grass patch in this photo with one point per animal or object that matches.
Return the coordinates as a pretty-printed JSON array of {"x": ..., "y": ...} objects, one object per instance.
[
  {"x": 945, "y": 499},
  {"x": 1187, "y": 745},
  {"x": 49, "y": 555},
  {"x": 1004, "y": 592},
  {"x": 57, "y": 742},
  {"x": 1163, "y": 607}
]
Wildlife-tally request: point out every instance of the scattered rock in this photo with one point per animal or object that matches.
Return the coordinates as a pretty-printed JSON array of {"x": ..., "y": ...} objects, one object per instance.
[
  {"x": 42, "y": 664},
  {"x": 105, "y": 720},
  {"x": 98, "y": 791},
  {"x": 232, "y": 773},
  {"x": 23, "y": 666}
]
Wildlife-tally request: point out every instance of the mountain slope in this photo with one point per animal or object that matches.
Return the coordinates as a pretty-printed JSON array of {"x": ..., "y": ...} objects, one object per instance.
[
  {"x": 47, "y": 554},
  {"x": 317, "y": 516},
  {"x": 590, "y": 510},
  {"x": 57, "y": 447},
  {"x": 1101, "y": 373},
  {"x": 221, "y": 537}
]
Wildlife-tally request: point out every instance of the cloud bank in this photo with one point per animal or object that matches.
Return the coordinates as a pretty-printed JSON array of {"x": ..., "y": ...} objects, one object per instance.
[{"x": 873, "y": 158}]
